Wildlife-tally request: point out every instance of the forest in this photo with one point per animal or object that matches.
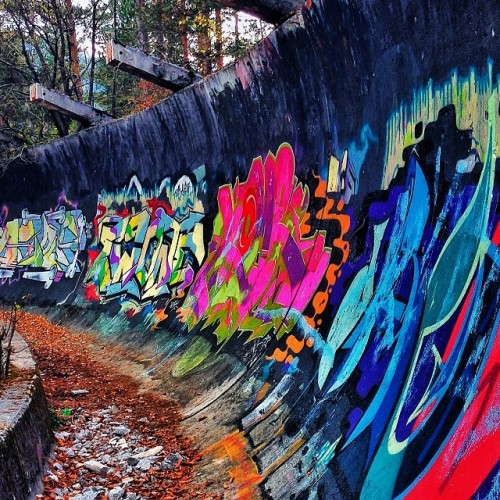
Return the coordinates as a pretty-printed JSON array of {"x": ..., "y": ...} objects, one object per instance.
[{"x": 61, "y": 45}]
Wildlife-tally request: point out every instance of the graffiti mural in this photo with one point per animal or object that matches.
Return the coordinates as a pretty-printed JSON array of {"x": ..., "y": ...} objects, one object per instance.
[
  {"x": 148, "y": 243},
  {"x": 42, "y": 247},
  {"x": 404, "y": 369},
  {"x": 263, "y": 259}
]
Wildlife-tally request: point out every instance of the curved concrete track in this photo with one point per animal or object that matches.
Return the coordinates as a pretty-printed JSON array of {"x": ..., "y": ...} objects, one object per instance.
[{"x": 307, "y": 245}]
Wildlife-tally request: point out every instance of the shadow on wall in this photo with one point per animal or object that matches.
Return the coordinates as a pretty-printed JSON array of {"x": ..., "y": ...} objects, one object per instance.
[{"x": 348, "y": 334}]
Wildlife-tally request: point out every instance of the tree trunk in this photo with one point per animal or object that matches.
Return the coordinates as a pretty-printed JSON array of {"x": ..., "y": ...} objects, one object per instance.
[
  {"x": 236, "y": 30},
  {"x": 160, "y": 37},
  {"x": 218, "y": 39},
  {"x": 60, "y": 50},
  {"x": 61, "y": 123},
  {"x": 93, "y": 50},
  {"x": 142, "y": 36},
  {"x": 73, "y": 50},
  {"x": 184, "y": 34},
  {"x": 204, "y": 42}
]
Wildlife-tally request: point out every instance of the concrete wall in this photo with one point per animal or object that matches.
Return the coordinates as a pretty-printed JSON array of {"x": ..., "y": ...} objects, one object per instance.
[
  {"x": 306, "y": 243},
  {"x": 25, "y": 427}
]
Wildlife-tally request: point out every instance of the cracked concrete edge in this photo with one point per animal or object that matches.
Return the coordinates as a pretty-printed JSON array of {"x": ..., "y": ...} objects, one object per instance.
[{"x": 26, "y": 436}]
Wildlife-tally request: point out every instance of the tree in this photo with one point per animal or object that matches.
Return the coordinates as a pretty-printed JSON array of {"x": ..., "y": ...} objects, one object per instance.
[
  {"x": 44, "y": 47},
  {"x": 61, "y": 46}
]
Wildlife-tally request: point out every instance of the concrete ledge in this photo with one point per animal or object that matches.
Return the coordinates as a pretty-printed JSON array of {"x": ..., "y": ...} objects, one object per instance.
[{"x": 25, "y": 427}]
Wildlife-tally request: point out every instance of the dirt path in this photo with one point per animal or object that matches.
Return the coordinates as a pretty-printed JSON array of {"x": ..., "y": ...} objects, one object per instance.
[{"x": 131, "y": 431}]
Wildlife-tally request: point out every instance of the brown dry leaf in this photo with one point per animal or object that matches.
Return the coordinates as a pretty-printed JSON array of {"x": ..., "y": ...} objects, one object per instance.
[{"x": 67, "y": 362}]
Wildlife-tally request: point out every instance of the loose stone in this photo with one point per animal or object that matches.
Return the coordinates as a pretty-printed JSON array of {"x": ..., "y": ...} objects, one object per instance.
[
  {"x": 96, "y": 466},
  {"x": 121, "y": 430},
  {"x": 116, "y": 493},
  {"x": 144, "y": 464},
  {"x": 149, "y": 453}
]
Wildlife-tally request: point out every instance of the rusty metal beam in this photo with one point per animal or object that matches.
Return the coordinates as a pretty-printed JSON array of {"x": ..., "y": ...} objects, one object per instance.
[
  {"x": 148, "y": 67},
  {"x": 54, "y": 101},
  {"x": 271, "y": 11}
]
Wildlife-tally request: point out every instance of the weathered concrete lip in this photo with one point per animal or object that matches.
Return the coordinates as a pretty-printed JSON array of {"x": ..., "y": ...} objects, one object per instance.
[{"x": 25, "y": 427}]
